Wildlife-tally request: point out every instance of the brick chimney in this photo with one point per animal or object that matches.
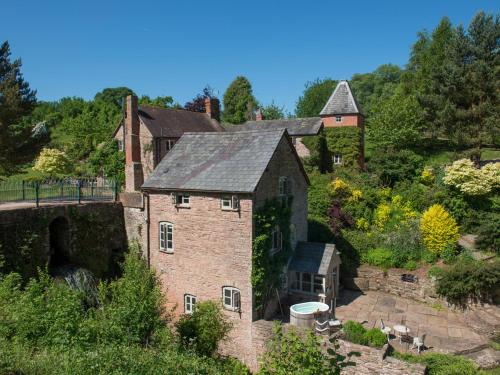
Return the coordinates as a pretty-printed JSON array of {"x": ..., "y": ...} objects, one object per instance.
[
  {"x": 212, "y": 108},
  {"x": 133, "y": 167},
  {"x": 259, "y": 116}
]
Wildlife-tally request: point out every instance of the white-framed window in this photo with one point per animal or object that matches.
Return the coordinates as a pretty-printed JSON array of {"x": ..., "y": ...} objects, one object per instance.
[
  {"x": 230, "y": 203},
  {"x": 307, "y": 282},
  {"x": 338, "y": 118},
  {"x": 120, "y": 144},
  {"x": 181, "y": 200},
  {"x": 337, "y": 158},
  {"x": 277, "y": 240},
  {"x": 231, "y": 298},
  {"x": 166, "y": 233},
  {"x": 189, "y": 302}
]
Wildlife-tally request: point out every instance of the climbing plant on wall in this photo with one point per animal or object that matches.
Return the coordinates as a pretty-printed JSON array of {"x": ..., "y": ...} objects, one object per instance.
[
  {"x": 267, "y": 268},
  {"x": 345, "y": 141}
]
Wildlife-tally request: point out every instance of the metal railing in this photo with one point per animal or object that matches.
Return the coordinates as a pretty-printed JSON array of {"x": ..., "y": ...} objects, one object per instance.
[{"x": 67, "y": 189}]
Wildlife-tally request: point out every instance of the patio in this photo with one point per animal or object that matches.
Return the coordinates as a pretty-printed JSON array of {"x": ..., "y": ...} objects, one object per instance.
[{"x": 446, "y": 331}]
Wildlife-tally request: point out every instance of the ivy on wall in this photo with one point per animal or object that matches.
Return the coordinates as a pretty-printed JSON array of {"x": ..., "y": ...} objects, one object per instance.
[
  {"x": 267, "y": 269},
  {"x": 346, "y": 141}
]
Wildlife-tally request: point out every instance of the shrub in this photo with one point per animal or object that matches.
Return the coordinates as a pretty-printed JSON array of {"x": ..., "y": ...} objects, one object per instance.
[
  {"x": 469, "y": 279},
  {"x": 427, "y": 177},
  {"x": 379, "y": 257},
  {"x": 411, "y": 265},
  {"x": 435, "y": 272},
  {"x": 204, "y": 328},
  {"x": 375, "y": 337},
  {"x": 405, "y": 243},
  {"x": 488, "y": 238},
  {"x": 402, "y": 165},
  {"x": 441, "y": 364},
  {"x": 52, "y": 162},
  {"x": 291, "y": 353},
  {"x": 464, "y": 176},
  {"x": 439, "y": 230},
  {"x": 355, "y": 332}
]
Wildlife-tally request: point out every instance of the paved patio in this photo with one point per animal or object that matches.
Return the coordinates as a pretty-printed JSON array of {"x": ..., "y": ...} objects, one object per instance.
[{"x": 446, "y": 331}]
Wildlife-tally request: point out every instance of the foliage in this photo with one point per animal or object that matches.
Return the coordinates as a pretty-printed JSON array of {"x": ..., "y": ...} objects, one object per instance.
[
  {"x": 441, "y": 364},
  {"x": 52, "y": 162},
  {"x": 427, "y": 177},
  {"x": 197, "y": 104},
  {"x": 273, "y": 111},
  {"x": 356, "y": 333},
  {"x": 114, "y": 95},
  {"x": 204, "y": 328},
  {"x": 239, "y": 102},
  {"x": 464, "y": 176},
  {"x": 487, "y": 234},
  {"x": 379, "y": 257},
  {"x": 160, "y": 101},
  {"x": 16, "y": 101},
  {"x": 439, "y": 230},
  {"x": 319, "y": 157},
  {"x": 107, "y": 161},
  {"x": 468, "y": 279},
  {"x": 401, "y": 165},
  {"x": 292, "y": 353},
  {"x": 397, "y": 123},
  {"x": 345, "y": 141},
  {"x": 267, "y": 268},
  {"x": 314, "y": 97}
]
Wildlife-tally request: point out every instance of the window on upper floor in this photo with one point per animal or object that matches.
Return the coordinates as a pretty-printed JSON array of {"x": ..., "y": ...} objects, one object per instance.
[
  {"x": 230, "y": 202},
  {"x": 181, "y": 200},
  {"x": 189, "y": 302},
  {"x": 338, "y": 118},
  {"x": 120, "y": 144},
  {"x": 231, "y": 298},
  {"x": 284, "y": 189},
  {"x": 166, "y": 234},
  {"x": 337, "y": 159},
  {"x": 276, "y": 240}
]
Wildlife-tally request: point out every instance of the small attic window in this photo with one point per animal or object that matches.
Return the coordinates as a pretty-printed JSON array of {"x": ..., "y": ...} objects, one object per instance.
[{"x": 338, "y": 118}]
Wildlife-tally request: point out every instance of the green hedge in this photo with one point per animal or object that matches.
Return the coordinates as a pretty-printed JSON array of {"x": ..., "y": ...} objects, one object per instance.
[{"x": 356, "y": 333}]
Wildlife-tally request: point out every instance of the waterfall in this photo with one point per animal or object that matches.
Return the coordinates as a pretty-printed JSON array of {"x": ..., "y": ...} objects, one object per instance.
[{"x": 80, "y": 279}]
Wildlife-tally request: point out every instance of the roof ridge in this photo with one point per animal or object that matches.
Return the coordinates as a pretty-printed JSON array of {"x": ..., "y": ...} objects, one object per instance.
[
  {"x": 170, "y": 109},
  {"x": 282, "y": 130}
]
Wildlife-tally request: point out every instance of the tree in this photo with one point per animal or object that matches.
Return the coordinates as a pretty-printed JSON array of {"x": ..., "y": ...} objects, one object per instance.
[
  {"x": 397, "y": 122},
  {"x": 52, "y": 162},
  {"x": 439, "y": 230},
  {"x": 464, "y": 176},
  {"x": 273, "y": 112},
  {"x": 108, "y": 161},
  {"x": 239, "y": 102},
  {"x": 16, "y": 101},
  {"x": 113, "y": 95},
  {"x": 159, "y": 101},
  {"x": 314, "y": 97},
  {"x": 197, "y": 104}
]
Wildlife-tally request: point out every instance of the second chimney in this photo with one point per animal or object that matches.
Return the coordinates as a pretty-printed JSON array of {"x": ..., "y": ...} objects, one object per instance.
[
  {"x": 212, "y": 108},
  {"x": 133, "y": 165}
]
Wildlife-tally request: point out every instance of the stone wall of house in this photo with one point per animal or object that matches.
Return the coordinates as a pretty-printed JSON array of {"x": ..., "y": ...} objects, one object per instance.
[
  {"x": 94, "y": 236},
  {"x": 374, "y": 278},
  {"x": 301, "y": 148},
  {"x": 212, "y": 249},
  {"x": 284, "y": 163}
]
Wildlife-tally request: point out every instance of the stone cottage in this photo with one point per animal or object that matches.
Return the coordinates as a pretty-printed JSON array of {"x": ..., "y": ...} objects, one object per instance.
[{"x": 340, "y": 111}]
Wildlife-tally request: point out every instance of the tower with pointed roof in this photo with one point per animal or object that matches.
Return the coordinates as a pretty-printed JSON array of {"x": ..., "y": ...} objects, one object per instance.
[{"x": 342, "y": 111}]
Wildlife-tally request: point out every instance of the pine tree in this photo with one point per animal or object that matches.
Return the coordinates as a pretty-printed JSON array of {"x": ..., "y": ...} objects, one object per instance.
[
  {"x": 16, "y": 101},
  {"x": 239, "y": 102}
]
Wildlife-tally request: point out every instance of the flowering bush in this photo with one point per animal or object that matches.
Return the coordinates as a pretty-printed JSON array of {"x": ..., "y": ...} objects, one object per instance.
[
  {"x": 464, "y": 176},
  {"x": 52, "y": 162},
  {"x": 339, "y": 186},
  {"x": 439, "y": 230},
  {"x": 390, "y": 215},
  {"x": 427, "y": 177},
  {"x": 356, "y": 195}
]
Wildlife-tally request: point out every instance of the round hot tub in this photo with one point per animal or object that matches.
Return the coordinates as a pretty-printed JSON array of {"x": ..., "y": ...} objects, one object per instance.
[{"x": 304, "y": 314}]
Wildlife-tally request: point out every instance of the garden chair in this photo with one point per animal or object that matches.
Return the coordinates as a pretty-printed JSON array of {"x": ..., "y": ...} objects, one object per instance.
[
  {"x": 418, "y": 342},
  {"x": 386, "y": 330}
]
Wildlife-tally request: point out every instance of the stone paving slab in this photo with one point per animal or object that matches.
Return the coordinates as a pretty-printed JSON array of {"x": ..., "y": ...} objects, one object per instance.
[{"x": 446, "y": 331}]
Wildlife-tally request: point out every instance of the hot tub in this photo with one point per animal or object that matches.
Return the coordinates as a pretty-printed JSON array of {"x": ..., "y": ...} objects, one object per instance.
[{"x": 303, "y": 314}]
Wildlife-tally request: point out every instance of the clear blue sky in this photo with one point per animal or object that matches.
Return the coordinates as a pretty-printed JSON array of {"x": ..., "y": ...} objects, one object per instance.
[{"x": 77, "y": 48}]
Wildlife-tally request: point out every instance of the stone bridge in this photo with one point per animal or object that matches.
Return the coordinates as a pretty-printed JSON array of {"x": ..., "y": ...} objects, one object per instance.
[{"x": 90, "y": 235}]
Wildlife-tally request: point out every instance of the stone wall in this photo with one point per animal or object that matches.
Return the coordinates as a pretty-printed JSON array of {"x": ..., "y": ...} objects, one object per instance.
[
  {"x": 373, "y": 278},
  {"x": 95, "y": 237}
]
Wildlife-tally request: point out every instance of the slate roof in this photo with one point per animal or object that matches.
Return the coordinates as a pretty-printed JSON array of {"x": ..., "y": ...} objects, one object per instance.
[
  {"x": 228, "y": 161},
  {"x": 313, "y": 257},
  {"x": 295, "y": 126},
  {"x": 341, "y": 101},
  {"x": 173, "y": 123}
]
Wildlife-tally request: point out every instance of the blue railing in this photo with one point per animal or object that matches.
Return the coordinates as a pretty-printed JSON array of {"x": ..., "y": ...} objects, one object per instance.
[{"x": 67, "y": 189}]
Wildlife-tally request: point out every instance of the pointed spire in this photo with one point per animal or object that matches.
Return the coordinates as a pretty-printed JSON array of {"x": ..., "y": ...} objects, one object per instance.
[{"x": 341, "y": 101}]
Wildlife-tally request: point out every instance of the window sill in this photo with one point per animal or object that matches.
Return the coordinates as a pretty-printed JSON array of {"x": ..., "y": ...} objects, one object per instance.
[
  {"x": 166, "y": 251},
  {"x": 230, "y": 209},
  {"x": 232, "y": 309},
  {"x": 183, "y": 206}
]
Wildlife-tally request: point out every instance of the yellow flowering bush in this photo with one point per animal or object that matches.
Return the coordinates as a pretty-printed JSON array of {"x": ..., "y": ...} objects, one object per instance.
[
  {"x": 439, "y": 230},
  {"x": 339, "y": 186},
  {"x": 362, "y": 224},
  {"x": 427, "y": 177},
  {"x": 464, "y": 176},
  {"x": 52, "y": 162},
  {"x": 395, "y": 213},
  {"x": 382, "y": 215},
  {"x": 384, "y": 193},
  {"x": 356, "y": 195}
]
